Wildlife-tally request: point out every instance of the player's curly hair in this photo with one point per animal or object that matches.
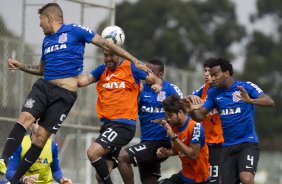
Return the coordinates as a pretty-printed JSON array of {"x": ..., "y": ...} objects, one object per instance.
[
  {"x": 173, "y": 104},
  {"x": 224, "y": 64}
]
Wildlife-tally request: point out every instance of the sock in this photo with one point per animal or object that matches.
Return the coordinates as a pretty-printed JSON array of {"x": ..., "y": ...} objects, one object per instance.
[
  {"x": 13, "y": 141},
  {"x": 102, "y": 170},
  {"x": 28, "y": 160}
]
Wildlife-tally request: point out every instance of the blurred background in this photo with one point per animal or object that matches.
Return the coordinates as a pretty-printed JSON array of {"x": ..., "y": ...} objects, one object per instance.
[{"x": 183, "y": 33}]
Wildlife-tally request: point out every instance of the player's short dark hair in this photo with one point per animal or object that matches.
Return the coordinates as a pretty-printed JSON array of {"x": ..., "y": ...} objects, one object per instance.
[
  {"x": 224, "y": 64},
  {"x": 207, "y": 63},
  {"x": 158, "y": 63},
  {"x": 173, "y": 104},
  {"x": 51, "y": 8}
]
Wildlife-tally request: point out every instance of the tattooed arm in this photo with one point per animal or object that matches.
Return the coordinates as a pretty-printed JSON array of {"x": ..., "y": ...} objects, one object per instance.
[
  {"x": 104, "y": 44},
  {"x": 32, "y": 69}
]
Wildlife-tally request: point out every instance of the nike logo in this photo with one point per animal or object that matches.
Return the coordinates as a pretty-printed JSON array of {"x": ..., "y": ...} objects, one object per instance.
[
  {"x": 106, "y": 177},
  {"x": 110, "y": 76},
  {"x": 131, "y": 150},
  {"x": 56, "y": 128},
  {"x": 28, "y": 161},
  {"x": 104, "y": 141},
  {"x": 213, "y": 181},
  {"x": 249, "y": 167},
  {"x": 218, "y": 98},
  {"x": 146, "y": 96},
  {"x": 9, "y": 138}
]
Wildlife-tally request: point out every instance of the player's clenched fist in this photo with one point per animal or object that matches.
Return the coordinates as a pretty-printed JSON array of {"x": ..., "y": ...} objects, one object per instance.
[{"x": 13, "y": 64}]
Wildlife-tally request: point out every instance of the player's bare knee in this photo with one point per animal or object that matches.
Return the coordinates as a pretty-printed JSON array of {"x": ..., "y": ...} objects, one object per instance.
[
  {"x": 92, "y": 154},
  {"x": 123, "y": 157},
  {"x": 39, "y": 141},
  {"x": 26, "y": 119},
  {"x": 247, "y": 178},
  {"x": 41, "y": 136},
  {"x": 95, "y": 151}
]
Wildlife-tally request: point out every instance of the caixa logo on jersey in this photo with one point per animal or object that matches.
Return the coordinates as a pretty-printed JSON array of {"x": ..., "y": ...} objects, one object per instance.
[
  {"x": 42, "y": 161},
  {"x": 152, "y": 109},
  {"x": 114, "y": 85},
  {"x": 230, "y": 111},
  {"x": 54, "y": 48},
  {"x": 213, "y": 112},
  {"x": 62, "y": 40}
]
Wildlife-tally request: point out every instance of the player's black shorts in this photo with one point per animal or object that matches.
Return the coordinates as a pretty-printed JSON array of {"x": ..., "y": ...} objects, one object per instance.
[
  {"x": 49, "y": 103},
  {"x": 114, "y": 136},
  {"x": 214, "y": 158},
  {"x": 144, "y": 155},
  {"x": 236, "y": 159}
]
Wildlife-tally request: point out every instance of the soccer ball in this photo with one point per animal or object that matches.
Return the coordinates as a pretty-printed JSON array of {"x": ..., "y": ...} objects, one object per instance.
[{"x": 114, "y": 34}]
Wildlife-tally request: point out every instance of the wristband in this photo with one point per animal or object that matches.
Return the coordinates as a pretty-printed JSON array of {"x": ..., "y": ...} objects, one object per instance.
[{"x": 174, "y": 137}]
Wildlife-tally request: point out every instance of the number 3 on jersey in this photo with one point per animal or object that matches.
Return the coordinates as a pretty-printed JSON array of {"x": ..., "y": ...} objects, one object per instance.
[{"x": 138, "y": 148}]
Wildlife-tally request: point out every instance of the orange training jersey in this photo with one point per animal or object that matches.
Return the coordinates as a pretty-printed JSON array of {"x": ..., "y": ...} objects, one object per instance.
[
  {"x": 117, "y": 93},
  {"x": 198, "y": 169},
  {"x": 212, "y": 123}
]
